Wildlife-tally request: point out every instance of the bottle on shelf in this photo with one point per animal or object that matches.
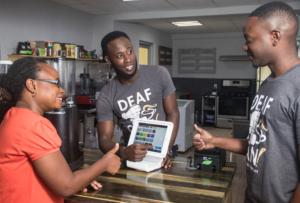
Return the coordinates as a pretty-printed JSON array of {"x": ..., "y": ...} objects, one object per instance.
[
  {"x": 96, "y": 138},
  {"x": 196, "y": 120},
  {"x": 89, "y": 137}
]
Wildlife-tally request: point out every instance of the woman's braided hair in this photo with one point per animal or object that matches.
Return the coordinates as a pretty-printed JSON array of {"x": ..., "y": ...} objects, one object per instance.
[{"x": 13, "y": 83}]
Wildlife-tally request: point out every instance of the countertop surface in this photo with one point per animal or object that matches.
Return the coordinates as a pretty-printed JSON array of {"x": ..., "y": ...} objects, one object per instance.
[{"x": 175, "y": 184}]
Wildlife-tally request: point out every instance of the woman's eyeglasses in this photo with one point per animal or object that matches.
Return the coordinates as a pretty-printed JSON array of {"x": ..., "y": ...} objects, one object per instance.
[{"x": 56, "y": 82}]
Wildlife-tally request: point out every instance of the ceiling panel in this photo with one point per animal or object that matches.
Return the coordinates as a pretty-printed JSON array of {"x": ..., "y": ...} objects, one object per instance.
[
  {"x": 223, "y": 3},
  {"x": 111, "y": 6},
  {"x": 162, "y": 25},
  {"x": 219, "y": 23},
  {"x": 167, "y": 26},
  {"x": 100, "y": 1},
  {"x": 191, "y": 4},
  {"x": 124, "y": 11},
  {"x": 266, "y": 1},
  {"x": 182, "y": 19},
  {"x": 152, "y": 5},
  {"x": 211, "y": 24},
  {"x": 198, "y": 29},
  {"x": 91, "y": 9},
  {"x": 239, "y": 21},
  {"x": 159, "y": 24},
  {"x": 119, "y": 7},
  {"x": 67, "y": 2}
]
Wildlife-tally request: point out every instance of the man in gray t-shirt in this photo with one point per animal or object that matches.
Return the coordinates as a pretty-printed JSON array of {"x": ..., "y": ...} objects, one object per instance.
[
  {"x": 145, "y": 92},
  {"x": 273, "y": 147},
  {"x": 274, "y": 135}
]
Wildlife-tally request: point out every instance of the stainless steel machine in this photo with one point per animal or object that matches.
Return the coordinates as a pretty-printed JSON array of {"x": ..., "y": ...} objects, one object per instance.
[
  {"x": 4, "y": 66},
  {"x": 4, "y": 106},
  {"x": 233, "y": 102},
  {"x": 65, "y": 120}
]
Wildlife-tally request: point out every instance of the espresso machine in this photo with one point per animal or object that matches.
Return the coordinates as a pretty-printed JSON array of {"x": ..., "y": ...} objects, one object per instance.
[
  {"x": 4, "y": 106},
  {"x": 65, "y": 120},
  {"x": 86, "y": 99}
]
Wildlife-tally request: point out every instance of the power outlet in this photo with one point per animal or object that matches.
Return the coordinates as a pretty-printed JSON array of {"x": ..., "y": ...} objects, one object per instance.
[{"x": 215, "y": 86}]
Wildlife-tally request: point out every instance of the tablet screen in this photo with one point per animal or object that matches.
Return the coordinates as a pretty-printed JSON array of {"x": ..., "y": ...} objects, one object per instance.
[{"x": 151, "y": 134}]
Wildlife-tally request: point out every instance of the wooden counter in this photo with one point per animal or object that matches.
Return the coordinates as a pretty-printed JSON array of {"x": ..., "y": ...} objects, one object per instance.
[{"x": 165, "y": 185}]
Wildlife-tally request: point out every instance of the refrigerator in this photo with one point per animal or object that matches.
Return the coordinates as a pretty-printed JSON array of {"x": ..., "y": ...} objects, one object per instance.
[{"x": 184, "y": 138}]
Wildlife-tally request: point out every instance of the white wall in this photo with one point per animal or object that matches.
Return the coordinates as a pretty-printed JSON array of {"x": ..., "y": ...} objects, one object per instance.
[
  {"x": 226, "y": 44},
  {"x": 137, "y": 33},
  {"x": 45, "y": 20},
  {"x": 102, "y": 25},
  {"x": 41, "y": 20}
]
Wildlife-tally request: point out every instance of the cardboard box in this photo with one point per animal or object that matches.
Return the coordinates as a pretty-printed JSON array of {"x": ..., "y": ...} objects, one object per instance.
[{"x": 40, "y": 44}]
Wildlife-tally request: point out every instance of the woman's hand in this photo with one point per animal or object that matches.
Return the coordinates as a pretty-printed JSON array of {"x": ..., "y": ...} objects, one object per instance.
[
  {"x": 113, "y": 162},
  {"x": 95, "y": 185},
  {"x": 167, "y": 162}
]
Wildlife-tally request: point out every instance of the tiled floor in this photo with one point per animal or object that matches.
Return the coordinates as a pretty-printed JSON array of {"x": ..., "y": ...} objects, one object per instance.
[{"x": 239, "y": 180}]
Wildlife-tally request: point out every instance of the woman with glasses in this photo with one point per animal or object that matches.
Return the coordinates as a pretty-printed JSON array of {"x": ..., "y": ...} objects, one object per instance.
[{"x": 32, "y": 168}]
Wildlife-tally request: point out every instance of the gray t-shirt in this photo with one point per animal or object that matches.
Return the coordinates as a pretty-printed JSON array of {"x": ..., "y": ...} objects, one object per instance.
[
  {"x": 141, "y": 99},
  {"x": 273, "y": 169}
]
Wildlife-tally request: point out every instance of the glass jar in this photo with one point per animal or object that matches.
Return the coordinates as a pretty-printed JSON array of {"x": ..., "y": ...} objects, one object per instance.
[
  {"x": 73, "y": 49},
  {"x": 57, "y": 49},
  {"x": 68, "y": 50},
  {"x": 63, "y": 50},
  {"x": 49, "y": 46}
]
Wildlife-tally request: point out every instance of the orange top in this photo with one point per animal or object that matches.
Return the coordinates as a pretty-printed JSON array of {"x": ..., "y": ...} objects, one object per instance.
[{"x": 24, "y": 137}]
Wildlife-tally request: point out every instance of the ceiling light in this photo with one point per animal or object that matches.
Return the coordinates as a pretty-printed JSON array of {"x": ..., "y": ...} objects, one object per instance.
[{"x": 187, "y": 23}]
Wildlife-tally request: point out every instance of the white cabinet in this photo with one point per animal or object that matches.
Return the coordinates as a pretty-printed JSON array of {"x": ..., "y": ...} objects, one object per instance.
[{"x": 184, "y": 138}]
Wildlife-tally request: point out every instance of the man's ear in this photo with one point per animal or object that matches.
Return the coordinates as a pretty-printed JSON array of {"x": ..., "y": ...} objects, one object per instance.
[
  {"x": 31, "y": 85},
  {"x": 275, "y": 37},
  {"x": 107, "y": 59}
]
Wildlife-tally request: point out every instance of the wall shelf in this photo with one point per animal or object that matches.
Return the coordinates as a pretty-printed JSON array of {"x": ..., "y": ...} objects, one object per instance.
[
  {"x": 234, "y": 58},
  {"x": 14, "y": 57}
]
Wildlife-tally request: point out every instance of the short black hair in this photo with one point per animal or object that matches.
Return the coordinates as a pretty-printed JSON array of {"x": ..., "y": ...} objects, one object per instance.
[
  {"x": 13, "y": 83},
  {"x": 275, "y": 8},
  {"x": 110, "y": 37}
]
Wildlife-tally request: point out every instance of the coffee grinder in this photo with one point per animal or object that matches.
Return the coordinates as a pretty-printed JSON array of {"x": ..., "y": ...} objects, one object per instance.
[
  {"x": 65, "y": 120},
  {"x": 86, "y": 99}
]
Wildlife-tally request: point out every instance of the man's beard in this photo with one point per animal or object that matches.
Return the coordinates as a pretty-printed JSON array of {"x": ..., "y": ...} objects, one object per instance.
[{"x": 123, "y": 73}]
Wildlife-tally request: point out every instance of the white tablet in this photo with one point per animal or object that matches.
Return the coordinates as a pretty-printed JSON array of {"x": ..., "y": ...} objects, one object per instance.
[{"x": 154, "y": 133}]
